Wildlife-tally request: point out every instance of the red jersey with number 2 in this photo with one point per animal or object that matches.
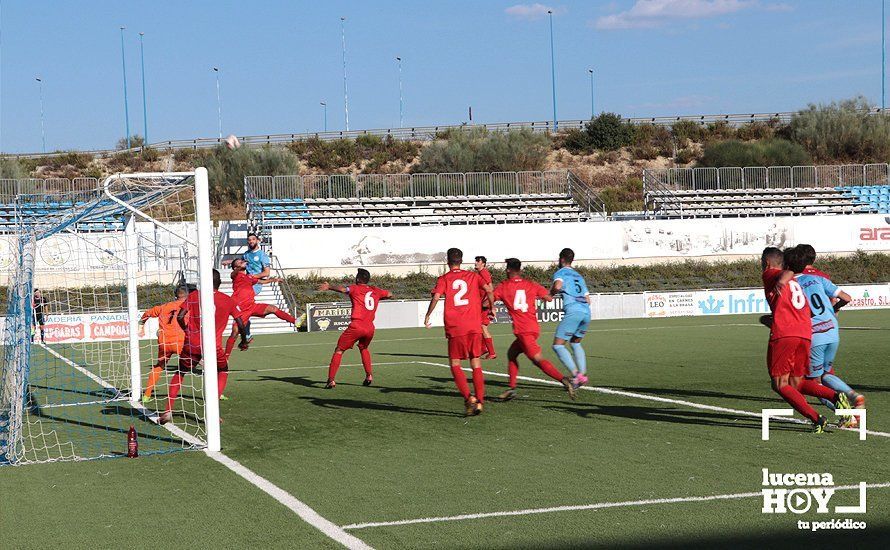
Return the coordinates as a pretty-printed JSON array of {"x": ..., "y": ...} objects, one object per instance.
[
  {"x": 462, "y": 292},
  {"x": 791, "y": 312},
  {"x": 365, "y": 299},
  {"x": 519, "y": 297}
]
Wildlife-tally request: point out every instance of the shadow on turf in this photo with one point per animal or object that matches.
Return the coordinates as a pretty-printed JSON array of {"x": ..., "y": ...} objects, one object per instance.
[
  {"x": 372, "y": 406},
  {"x": 123, "y": 411},
  {"x": 655, "y": 414}
]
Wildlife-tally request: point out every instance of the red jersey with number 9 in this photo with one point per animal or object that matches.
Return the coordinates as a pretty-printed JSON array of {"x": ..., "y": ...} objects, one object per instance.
[
  {"x": 791, "y": 312},
  {"x": 365, "y": 299},
  {"x": 462, "y": 292},
  {"x": 519, "y": 297}
]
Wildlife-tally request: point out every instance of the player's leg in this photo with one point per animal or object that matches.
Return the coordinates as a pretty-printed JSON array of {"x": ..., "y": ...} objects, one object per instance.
[
  {"x": 474, "y": 344},
  {"x": 457, "y": 350},
  {"x": 268, "y": 309},
  {"x": 187, "y": 360},
  {"x": 230, "y": 341},
  {"x": 222, "y": 371},
  {"x": 532, "y": 350},
  {"x": 833, "y": 381},
  {"x": 348, "y": 339},
  {"x": 165, "y": 353},
  {"x": 780, "y": 361},
  {"x": 512, "y": 370},
  {"x": 364, "y": 344},
  {"x": 564, "y": 332},
  {"x": 488, "y": 341}
]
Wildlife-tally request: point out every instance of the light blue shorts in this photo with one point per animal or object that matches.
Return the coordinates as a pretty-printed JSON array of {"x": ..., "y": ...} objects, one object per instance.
[
  {"x": 573, "y": 325},
  {"x": 822, "y": 359}
]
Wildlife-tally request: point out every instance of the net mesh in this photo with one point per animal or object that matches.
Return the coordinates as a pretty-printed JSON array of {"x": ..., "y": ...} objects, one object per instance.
[{"x": 84, "y": 267}]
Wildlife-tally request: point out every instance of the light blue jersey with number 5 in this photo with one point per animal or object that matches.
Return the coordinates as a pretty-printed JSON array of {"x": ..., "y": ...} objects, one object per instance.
[{"x": 574, "y": 290}]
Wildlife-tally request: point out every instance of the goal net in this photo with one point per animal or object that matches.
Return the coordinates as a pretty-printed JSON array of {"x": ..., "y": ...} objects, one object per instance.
[{"x": 91, "y": 339}]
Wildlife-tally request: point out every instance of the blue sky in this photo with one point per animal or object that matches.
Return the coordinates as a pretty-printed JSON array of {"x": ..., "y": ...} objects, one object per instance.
[{"x": 279, "y": 59}]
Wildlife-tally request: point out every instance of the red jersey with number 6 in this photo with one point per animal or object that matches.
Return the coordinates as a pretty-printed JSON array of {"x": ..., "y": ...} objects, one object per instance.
[
  {"x": 462, "y": 292},
  {"x": 791, "y": 312},
  {"x": 519, "y": 297},
  {"x": 365, "y": 299}
]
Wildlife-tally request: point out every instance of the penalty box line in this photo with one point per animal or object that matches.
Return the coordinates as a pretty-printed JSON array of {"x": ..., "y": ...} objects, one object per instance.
[
  {"x": 657, "y": 399},
  {"x": 580, "y": 507}
]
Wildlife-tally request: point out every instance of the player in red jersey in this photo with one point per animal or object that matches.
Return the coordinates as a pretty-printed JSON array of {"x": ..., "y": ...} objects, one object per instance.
[
  {"x": 519, "y": 297},
  {"x": 788, "y": 353},
  {"x": 192, "y": 353},
  {"x": 365, "y": 299},
  {"x": 463, "y": 325},
  {"x": 245, "y": 297},
  {"x": 482, "y": 270}
]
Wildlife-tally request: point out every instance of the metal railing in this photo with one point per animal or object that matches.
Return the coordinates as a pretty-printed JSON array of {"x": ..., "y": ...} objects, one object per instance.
[
  {"x": 426, "y": 133},
  {"x": 12, "y": 188}
]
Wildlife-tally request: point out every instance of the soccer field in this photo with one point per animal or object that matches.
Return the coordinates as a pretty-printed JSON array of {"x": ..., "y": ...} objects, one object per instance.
[{"x": 662, "y": 448}]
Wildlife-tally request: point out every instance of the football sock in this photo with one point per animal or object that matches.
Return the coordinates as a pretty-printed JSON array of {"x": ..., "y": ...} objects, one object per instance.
[
  {"x": 549, "y": 369},
  {"x": 247, "y": 330},
  {"x": 580, "y": 357},
  {"x": 222, "y": 377},
  {"x": 335, "y": 365},
  {"x": 175, "y": 384},
  {"x": 153, "y": 377},
  {"x": 366, "y": 360},
  {"x": 513, "y": 371},
  {"x": 479, "y": 384},
  {"x": 811, "y": 387},
  {"x": 837, "y": 384},
  {"x": 285, "y": 316},
  {"x": 230, "y": 345},
  {"x": 489, "y": 346},
  {"x": 461, "y": 380},
  {"x": 798, "y": 401},
  {"x": 566, "y": 358}
]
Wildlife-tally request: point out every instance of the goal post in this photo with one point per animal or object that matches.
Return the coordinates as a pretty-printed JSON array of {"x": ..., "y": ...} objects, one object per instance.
[{"x": 91, "y": 340}]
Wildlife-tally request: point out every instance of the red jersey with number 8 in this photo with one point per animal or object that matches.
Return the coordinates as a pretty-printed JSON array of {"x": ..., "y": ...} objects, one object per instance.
[
  {"x": 462, "y": 291},
  {"x": 519, "y": 297},
  {"x": 365, "y": 299},
  {"x": 791, "y": 312}
]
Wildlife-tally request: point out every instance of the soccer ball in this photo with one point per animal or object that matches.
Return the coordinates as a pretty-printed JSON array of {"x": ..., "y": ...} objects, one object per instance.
[{"x": 232, "y": 142}]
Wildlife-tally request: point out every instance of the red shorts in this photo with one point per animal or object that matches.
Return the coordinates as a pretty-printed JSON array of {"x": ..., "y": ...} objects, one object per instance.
[
  {"x": 528, "y": 343},
  {"x": 362, "y": 334},
  {"x": 169, "y": 348},
  {"x": 252, "y": 310},
  {"x": 485, "y": 320},
  {"x": 467, "y": 346},
  {"x": 790, "y": 355},
  {"x": 191, "y": 356}
]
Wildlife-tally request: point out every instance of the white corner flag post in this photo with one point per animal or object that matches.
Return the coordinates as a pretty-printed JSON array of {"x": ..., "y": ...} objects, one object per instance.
[
  {"x": 131, "y": 240},
  {"x": 208, "y": 311}
]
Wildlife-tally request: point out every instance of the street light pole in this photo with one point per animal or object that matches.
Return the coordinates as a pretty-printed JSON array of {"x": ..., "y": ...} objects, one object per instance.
[
  {"x": 126, "y": 103},
  {"x": 592, "y": 109},
  {"x": 345, "y": 90},
  {"x": 401, "y": 99},
  {"x": 42, "y": 129},
  {"x": 325, "y": 105},
  {"x": 144, "y": 108},
  {"x": 218, "y": 103},
  {"x": 552, "y": 68},
  {"x": 883, "y": 53}
]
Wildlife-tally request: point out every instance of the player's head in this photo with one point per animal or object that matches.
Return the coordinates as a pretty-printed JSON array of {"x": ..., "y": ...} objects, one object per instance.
[
  {"x": 217, "y": 279},
  {"x": 239, "y": 264},
  {"x": 771, "y": 257},
  {"x": 566, "y": 257},
  {"x": 253, "y": 241},
  {"x": 37, "y": 293},
  {"x": 455, "y": 257},
  {"x": 514, "y": 267},
  {"x": 481, "y": 262},
  {"x": 181, "y": 292},
  {"x": 809, "y": 253},
  {"x": 362, "y": 277},
  {"x": 794, "y": 259}
]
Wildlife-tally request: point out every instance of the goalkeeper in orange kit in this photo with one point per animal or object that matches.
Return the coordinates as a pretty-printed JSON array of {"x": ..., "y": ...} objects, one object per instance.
[{"x": 171, "y": 337}]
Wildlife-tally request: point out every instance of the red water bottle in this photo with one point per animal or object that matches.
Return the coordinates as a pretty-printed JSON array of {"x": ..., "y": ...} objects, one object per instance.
[{"x": 132, "y": 444}]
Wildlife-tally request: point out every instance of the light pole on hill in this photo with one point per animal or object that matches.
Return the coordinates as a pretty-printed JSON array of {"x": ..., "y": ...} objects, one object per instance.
[
  {"x": 126, "y": 103},
  {"x": 218, "y": 103},
  {"x": 401, "y": 101},
  {"x": 144, "y": 107},
  {"x": 345, "y": 89},
  {"x": 552, "y": 68},
  {"x": 42, "y": 129},
  {"x": 325, "y": 106},
  {"x": 592, "y": 109}
]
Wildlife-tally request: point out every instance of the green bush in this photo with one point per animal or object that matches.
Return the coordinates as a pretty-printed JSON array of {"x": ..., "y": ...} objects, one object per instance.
[
  {"x": 688, "y": 131},
  {"x": 773, "y": 152},
  {"x": 757, "y": 130},
  {"x": 574, "y": 140},
  {"x": 135, "y": 141},
  {"x": 657, "y": 137},
  {"x": 331, "y": 156},
  {"x": 842, "y": 132},
  {"x": 685, "y": 156},
  {"x": 608, "y": 132},
  {"x": 478, "y": 150},
  {"x": 228, "y": 167},
  {"x": 11, "y": 168},
  {"x": 627, "y": 195}
]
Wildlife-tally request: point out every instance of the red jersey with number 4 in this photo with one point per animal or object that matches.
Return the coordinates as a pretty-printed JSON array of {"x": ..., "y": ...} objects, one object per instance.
[
  {"x": 519, "y": 297},
  {"x": 225, "y": 308},
  {"x": 462, "y": 291},
  {"x": 242, "y": 289},
  {"x": 486, "y": 278},
  {"x": 791, "y": 312},
  {"x": 365, "y": 299}
]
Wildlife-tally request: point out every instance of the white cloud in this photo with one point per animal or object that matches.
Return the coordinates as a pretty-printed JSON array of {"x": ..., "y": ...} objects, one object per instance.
[
  {"x": 530, "y": 11},
  {"x": 646, "y": 14}
]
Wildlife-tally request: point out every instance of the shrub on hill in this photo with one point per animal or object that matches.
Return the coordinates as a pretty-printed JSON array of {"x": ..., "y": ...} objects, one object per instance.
[
  {"x": 842, "y": 132},
  {"x": 478, "y": 150},
  {"x": 771, "y": 152}
]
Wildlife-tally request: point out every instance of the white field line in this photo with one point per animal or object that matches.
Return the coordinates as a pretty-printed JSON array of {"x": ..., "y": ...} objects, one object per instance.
[
  {"x": 249, "y": 371},
  {"x": 305, "y": 513},
  {"x": 496, "y": 333},
  {"x": 657, "y": 399},
  {"x": 574, "y": 508},
  {"x": 96, "y": 402}
]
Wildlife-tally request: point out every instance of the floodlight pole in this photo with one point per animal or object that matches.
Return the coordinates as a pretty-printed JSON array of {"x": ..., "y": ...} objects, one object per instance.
[
  {"x": 401, "y": 99},
  {"x": 218, "y": 103},
  {"x": 144, "y": 107},
  {"x": 345, "y": 89},
  {"x": 325, "y": 106},
  {"x": 126, "y": 103},
  {"x": 592, "y": 109},
  {"x": 883, "y": 53},
  {"x": 552, "y": 69},
  {"x": 42, "y": 128}
]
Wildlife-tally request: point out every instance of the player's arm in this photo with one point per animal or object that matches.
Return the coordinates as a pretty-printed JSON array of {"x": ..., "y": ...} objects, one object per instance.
[
  {"x": 153, "y": 312},
  {"x": 326, "y": 286},
  {"x": 556, "y": 287},
  {"x": 385, "y": 295},
  {"x": 180, "y": 318},
  {"x": 267, "y": 267},
  {"x": 489, "y": 295},
  {"x": 268, "y": 280},
  {"x": 842, "y": 299},
  {"x": 766, "y": 320},
  {"x": 544, "y": 294},
  {"x": 429, "y": 311}
]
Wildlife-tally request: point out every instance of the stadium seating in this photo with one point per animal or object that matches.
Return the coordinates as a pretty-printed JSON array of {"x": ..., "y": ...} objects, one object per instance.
[
  {"x": 875, "y": 197},
  {"x": 32, "y": 212},
  {"x": 437, "y": 210},
  {"x": 760, "y": 202}
]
